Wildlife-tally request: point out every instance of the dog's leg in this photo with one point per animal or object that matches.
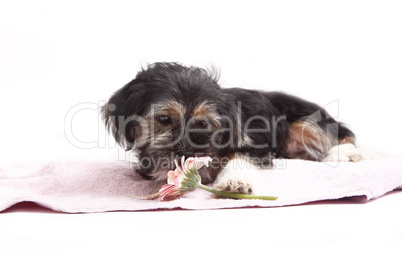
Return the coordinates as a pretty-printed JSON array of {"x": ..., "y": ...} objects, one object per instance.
[{"x": 237, "y": 176}]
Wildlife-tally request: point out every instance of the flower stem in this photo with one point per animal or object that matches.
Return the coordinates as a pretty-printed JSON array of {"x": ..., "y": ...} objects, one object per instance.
[{"x": 236, "y": 195}]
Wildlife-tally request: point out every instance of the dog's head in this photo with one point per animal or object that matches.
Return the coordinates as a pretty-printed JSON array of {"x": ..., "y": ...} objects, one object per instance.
[{"x": 170, "y": 110}]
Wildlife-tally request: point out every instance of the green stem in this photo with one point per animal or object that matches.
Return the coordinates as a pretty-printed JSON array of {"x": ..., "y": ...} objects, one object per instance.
[{"x": 236, "y": 195}]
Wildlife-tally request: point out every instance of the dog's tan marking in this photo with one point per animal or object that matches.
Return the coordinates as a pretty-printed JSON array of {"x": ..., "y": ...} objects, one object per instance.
[
  {"x": 172, "y": 108},
  {"x": 207, "y": 112},
  {"x": 150, "y": 129},
  {"x": 202, "y": 109},
  {"x": 348, "y": 139},
  {"x": 307, "y": 140}
]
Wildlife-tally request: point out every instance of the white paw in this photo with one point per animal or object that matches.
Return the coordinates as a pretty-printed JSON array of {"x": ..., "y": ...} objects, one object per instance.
[
  {"x": 237, "y": 176},
  {"x": 234, "y": 186},
  {"x": 349, "y": 152}
]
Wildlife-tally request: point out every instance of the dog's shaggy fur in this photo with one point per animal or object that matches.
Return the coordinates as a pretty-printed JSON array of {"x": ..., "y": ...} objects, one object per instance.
[{"x": 170, "y": 110}]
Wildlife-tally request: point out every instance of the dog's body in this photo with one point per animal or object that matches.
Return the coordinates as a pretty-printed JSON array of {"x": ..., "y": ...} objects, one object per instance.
[{"x": 170, "y": 110}]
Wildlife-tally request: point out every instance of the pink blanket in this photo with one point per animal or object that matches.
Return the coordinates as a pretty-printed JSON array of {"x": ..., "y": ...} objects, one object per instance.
[{"x": 106, "y": 186}]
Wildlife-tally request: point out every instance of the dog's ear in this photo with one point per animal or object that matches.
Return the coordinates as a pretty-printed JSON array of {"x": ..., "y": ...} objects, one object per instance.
[{"x": 120, "y": 111}]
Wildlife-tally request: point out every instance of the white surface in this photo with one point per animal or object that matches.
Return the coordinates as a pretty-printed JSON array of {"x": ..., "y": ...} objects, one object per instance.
[
  {"x": 55, "y": 55},
  {"x": 337, "y": 234}
]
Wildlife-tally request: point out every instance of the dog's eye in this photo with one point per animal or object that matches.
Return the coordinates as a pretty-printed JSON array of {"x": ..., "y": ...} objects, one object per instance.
[
  {"x": 202, "y": 123},
  {"x": 164, "y": 119}
]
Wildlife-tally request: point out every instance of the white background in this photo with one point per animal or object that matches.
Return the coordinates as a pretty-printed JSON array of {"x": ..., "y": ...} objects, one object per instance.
[{"x": 55, "y": 55}]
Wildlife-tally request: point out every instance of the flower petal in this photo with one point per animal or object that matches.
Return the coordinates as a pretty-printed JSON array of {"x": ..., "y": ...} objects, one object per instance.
[
  {"x": 203, "y": 161},
  {"x": 167, "y": 191},
  {"x": 177, "y": 166},
  {"x": 178, "y": 171},
  {"x": 171, "y": 177},
  {"x": 183, "y": 164},
  {"x": 188, "y": 164},
  {"x": 199, "y": 162},
  {"x": 179, "y": 180}
]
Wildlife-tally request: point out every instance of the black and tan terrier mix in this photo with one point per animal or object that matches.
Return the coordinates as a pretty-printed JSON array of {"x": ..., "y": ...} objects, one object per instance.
[{"x": 170, "y": 110}]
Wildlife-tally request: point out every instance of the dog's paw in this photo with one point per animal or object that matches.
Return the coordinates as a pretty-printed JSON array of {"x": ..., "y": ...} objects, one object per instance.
[
  {"x": 234, "y": 186},
  {"x": 349, "y": 152},
  {"x": 237, "y": 176}
]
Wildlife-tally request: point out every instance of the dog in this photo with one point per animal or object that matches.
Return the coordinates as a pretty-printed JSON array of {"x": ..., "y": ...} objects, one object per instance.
[{"x": 170, "y": 110}]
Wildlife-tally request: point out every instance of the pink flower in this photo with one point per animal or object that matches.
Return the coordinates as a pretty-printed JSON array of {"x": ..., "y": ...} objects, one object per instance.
[
  {"x": 176, "y": 177},
  {"x": 185, "y": 178}
]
